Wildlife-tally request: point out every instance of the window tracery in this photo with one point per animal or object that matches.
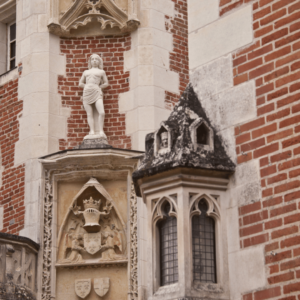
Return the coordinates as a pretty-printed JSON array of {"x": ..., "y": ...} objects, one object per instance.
[
  {"x": 205, "y": 216},
  {"x": 165, "y": 222}
]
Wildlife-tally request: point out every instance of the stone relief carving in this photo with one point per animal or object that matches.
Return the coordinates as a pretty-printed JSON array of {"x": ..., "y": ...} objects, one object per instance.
[
  {"x": 94, "y": 234},
  {"x": 83, "y": 287},
  {"x": 133, "y": 289},
  {"x": 93, "y": 81},
  {"x": 75, "y": 223},
  {"x": 101, "y": 286},
  {"x": 104, "y": 14},
  {"x": 17, "y": 267},
  {"x": 162, "y": 137}
]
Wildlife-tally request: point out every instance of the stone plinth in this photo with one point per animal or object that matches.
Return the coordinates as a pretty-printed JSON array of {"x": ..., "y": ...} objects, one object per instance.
[
  {"x": 18, "y": 265},
  {"x": 90, "y": 229},
  {"x": 94, "y": 144}
]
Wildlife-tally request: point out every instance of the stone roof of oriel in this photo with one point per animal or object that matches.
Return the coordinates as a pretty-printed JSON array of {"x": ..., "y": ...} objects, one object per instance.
[{"x": 182, "y": 153}]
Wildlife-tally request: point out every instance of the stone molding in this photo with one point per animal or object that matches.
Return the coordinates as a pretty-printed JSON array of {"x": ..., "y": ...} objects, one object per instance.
[
  {"x": 133, "y": 278},
  {"x": 83, "y": 12}
]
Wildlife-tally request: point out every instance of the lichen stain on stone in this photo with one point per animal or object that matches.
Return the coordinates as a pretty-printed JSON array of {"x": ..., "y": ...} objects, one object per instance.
[{"x": 182, "y": 153}]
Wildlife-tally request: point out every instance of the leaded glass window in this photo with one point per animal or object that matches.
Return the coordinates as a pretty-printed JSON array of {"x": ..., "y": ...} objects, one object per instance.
[
  {"x": 168, "y": 247},
  {"x": 204, "y": 249}
]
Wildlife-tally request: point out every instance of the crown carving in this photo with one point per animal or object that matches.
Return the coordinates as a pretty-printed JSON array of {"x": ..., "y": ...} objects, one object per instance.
[{"x": 91, "y": 203}]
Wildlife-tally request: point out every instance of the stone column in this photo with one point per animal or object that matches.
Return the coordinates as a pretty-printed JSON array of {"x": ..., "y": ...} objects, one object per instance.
[
  {"x": 150, "y": 77},
  {"x": 43, "y": 121}
]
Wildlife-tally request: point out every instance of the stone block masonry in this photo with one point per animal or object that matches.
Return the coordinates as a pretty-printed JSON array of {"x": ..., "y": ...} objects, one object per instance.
[
  {"x": 272, "y": 61},
  {"x": 12, "y": 177},
  {"x": 77, "y": 51}
]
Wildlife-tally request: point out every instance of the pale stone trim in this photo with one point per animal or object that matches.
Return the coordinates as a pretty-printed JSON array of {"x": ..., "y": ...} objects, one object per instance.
[{"x": 8, "y": 11}]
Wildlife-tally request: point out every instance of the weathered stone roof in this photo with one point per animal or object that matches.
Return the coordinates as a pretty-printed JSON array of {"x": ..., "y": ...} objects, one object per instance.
[{"x": 182, "y": 152}]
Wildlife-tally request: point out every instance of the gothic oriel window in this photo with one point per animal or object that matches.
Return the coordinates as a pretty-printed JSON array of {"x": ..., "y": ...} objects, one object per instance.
[
  {"x": 168, "y": 247},
  {"x": 204, "y": 248}
]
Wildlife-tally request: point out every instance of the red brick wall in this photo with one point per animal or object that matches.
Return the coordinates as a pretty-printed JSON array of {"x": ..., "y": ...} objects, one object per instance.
[
  {"x": 77, "y": 51},
  {"x": 13, "y": 178},
  {"x": 273, "y": 61},
  {"x": 179, "y": 61}
]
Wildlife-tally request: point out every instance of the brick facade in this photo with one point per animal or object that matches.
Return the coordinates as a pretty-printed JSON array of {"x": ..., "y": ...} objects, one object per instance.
[
  {"x": 77, "y": 52},
  {"x": 273, "y": 61},
  {"x": 179, "y": 61},
  {"x": 13, "y": 178}
]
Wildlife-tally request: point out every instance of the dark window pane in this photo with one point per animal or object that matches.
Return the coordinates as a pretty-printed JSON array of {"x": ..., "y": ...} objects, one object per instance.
[
  {"x": 12, "y": 32},
  {"x": 204, "y": 255},
  {"x": 12, "y": 49},
  {"x": 168, "y": 248},
  {"x": 12, "y": 64}
]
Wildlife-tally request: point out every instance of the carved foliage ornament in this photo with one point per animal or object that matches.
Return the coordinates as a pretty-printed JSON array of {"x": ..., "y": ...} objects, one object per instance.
[
  {"x": 47, "y": 239},
  {"x": 133, "y": 289},
  {"x": 105, "y": 12}
]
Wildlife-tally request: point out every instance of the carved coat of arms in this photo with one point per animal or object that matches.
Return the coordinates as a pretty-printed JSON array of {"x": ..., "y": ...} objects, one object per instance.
[
  {"x": 82, "y": 287},
  {"x": 92, "y": 242},
  {"x": 101, "y": 286}
]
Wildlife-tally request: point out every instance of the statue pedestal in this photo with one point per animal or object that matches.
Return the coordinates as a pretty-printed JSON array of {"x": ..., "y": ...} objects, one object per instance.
[
  {"x": 83, "y": 186},
  {"x": 94, "y": 143}
]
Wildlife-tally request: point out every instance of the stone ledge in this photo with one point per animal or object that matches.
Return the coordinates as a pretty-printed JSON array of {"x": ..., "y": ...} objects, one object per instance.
[{"x": 7, "y": 237}]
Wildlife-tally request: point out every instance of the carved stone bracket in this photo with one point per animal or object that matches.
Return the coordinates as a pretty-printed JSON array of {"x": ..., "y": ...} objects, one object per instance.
[{"x": 106, "y": 13}]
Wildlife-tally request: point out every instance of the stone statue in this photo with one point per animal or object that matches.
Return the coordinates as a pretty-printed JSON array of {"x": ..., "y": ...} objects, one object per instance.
[{"x": 93, "y": 81}]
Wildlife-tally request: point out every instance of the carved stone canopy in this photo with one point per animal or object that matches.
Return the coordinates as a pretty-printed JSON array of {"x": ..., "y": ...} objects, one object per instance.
[{"x": 93, "y": 17}]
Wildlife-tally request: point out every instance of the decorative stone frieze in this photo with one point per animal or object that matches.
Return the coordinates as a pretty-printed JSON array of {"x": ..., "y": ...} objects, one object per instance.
[
  {"x": 18, "y": 267},
  {"x": 93, "y": 17}
]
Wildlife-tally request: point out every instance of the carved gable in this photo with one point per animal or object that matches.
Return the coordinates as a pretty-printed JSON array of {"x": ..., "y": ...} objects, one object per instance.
[{"x": 93, "y": 17}]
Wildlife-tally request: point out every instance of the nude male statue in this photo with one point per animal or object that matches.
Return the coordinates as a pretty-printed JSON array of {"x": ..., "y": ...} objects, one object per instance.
[{"x": 93, "y": 81}]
